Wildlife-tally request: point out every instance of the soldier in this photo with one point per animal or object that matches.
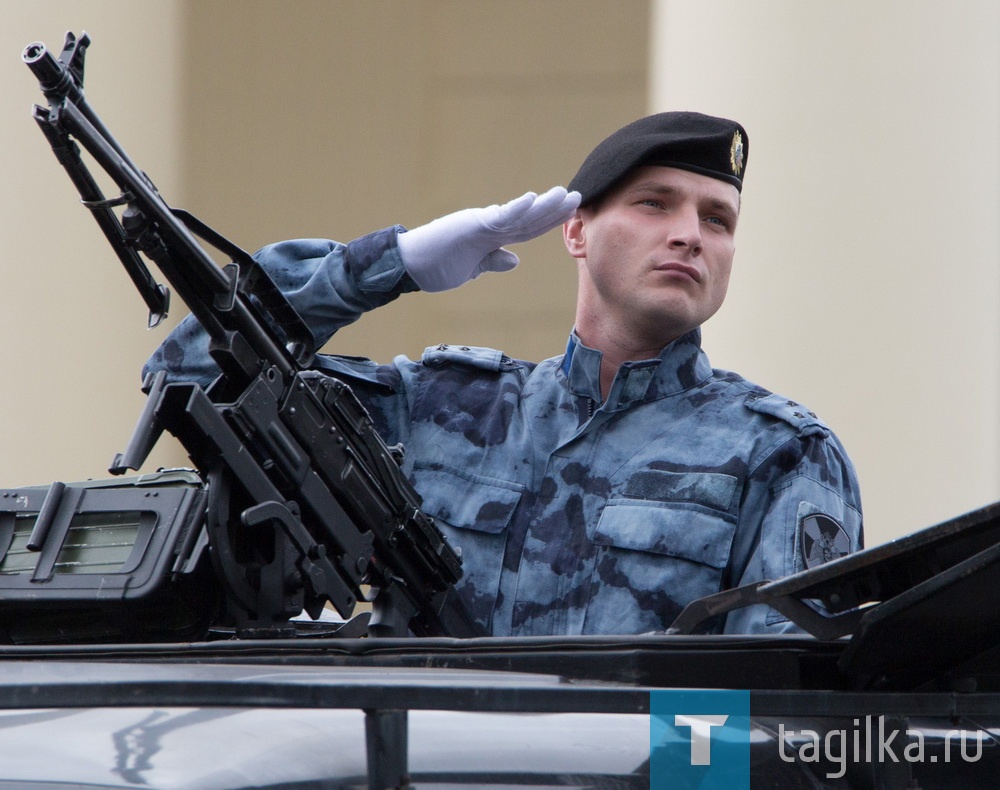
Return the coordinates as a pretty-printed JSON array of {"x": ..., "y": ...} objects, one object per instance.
[{"x": 599, "y": 491}]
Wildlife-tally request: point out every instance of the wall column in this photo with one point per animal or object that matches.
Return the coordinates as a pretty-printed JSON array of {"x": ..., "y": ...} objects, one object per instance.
[{"x": 867, "y": 281}]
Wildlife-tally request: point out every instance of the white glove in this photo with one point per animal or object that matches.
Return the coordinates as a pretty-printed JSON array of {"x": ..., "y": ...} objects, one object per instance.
[{"x": 456, "y": 248}]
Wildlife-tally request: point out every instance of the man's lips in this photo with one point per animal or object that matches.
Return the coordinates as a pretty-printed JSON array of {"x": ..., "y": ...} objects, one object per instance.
[{"x": 681, "y": 268}]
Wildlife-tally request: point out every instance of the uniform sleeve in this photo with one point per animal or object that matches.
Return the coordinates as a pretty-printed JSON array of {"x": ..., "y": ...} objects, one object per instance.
[
  {"x": 329, "y": 283},
  {"x": 802, "y": 507}
]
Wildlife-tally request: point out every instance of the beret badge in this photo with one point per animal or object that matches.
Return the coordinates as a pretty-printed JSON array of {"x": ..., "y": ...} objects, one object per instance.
[{"x": 736, "y": 153}]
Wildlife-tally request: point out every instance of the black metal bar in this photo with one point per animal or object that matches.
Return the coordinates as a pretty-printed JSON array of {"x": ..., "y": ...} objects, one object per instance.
[
  {"x": 62, "y": 516},
  {"x": 387, "y": 741},
  {"x": 698, "y": 612},
  {"x": 39, "y": 684},
  {"x": 45, "y": 517}
]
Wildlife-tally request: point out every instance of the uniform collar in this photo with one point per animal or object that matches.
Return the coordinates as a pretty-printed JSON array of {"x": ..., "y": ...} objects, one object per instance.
[{"x": 678, "y": 367}]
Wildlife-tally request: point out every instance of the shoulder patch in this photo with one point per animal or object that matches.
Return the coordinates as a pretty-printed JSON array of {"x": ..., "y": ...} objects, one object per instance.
[
  {"x": 795, "y": 414},
  {"x": 468, "y": 356},
  {"x": 822, "y": 540}
]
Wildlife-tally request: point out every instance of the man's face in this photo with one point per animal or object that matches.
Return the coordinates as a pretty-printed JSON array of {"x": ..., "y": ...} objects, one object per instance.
[{"x": 654, "y": 256}]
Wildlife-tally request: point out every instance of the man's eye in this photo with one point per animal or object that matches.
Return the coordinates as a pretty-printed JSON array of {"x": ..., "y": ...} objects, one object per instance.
[{"x": 717, "y": 221}]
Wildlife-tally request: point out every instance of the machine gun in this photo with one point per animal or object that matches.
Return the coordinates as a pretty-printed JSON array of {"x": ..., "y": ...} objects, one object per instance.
[{"x": 306, "y": 504}]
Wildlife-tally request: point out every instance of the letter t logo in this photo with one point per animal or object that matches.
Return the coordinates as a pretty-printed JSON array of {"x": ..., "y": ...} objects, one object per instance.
[
  {"x": 699, "y": 738},
  {"x": 701, "y": 734}
]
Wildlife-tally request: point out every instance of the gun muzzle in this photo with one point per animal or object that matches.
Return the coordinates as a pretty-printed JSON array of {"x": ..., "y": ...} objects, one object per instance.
[{"x": 54, "y": 78}]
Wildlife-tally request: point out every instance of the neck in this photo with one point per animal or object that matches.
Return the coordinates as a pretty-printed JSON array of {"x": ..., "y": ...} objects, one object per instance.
[{"x": 618, "y": 349}]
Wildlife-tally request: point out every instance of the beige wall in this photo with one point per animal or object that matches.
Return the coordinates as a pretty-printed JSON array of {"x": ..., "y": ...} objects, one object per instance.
[
  {"x": 346, "y": 117},
  {"x": 867, "y": 278},
  {"x": 867, "y": 281}
]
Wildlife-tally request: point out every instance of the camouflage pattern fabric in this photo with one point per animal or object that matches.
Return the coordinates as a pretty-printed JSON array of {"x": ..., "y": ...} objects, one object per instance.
[{"x": 576, "y": 516}]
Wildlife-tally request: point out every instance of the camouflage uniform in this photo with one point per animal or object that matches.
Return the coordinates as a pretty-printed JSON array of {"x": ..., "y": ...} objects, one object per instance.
[{"x": 576, "y": 516}]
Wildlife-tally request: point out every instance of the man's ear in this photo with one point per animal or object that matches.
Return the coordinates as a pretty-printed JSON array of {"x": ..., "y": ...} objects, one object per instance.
[{"x": 575, "y": 235}]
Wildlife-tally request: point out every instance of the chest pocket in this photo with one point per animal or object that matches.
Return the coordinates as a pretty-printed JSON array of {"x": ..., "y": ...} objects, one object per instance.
[
  {"x": 473, "y": 512},
  {"x": 662, "y": 543}
]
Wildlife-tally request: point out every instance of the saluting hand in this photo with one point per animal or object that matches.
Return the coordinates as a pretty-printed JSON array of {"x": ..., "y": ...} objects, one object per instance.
[{"x": 456, "y": 248}]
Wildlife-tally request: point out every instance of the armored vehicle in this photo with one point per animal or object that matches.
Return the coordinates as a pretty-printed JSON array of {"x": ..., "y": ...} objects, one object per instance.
[{"x": 203, "y": 628}]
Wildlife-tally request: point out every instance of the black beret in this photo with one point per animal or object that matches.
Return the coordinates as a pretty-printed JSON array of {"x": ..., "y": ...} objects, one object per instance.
[{"x": 703, "y": 144}]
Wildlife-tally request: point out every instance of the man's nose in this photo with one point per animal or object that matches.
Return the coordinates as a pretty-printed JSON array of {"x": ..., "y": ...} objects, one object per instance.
[{"x": 685, "y": 231}]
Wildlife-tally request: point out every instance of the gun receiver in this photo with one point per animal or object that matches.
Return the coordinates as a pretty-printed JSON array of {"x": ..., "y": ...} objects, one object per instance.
[{"x": 306, "y": 503}]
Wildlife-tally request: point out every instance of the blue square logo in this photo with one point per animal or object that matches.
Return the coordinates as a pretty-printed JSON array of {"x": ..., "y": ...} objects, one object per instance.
[{"x": 699, "y": 739}]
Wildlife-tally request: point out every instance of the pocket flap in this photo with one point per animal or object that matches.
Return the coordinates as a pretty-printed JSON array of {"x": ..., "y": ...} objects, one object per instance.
[
  {"x": 670, "y": 530},
  {"x": 467, "y": 501}
]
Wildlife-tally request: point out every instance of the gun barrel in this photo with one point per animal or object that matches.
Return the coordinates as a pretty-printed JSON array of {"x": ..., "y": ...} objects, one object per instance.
[{"x": 53, "y": 77}]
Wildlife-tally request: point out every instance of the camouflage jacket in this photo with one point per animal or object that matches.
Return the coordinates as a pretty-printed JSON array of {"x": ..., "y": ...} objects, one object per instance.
[{"x": 576, "y": 516}]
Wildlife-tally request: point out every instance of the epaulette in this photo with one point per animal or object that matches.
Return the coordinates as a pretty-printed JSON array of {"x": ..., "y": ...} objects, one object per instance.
[
  {"x": 805, "y": 422},
  {"x": 468, "y": 356}
]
